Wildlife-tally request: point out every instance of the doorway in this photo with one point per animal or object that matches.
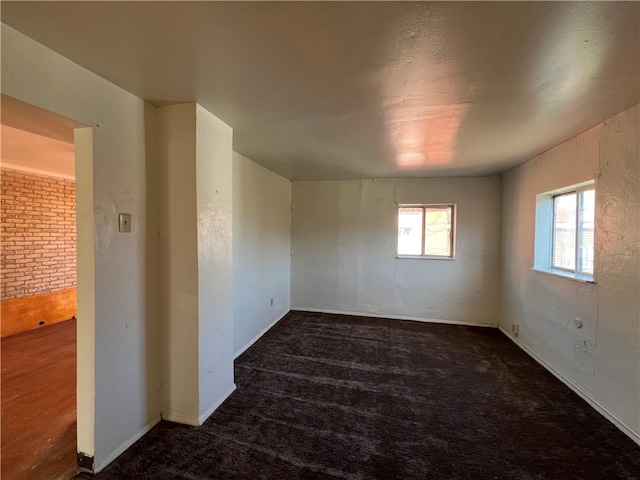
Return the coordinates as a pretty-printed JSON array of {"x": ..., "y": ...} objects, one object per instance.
[{"x": 38, "y": 333}]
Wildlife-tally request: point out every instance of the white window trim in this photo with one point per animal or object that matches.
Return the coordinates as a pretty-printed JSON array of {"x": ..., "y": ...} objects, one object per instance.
[
  {"x": 543, "y": 236},
  {"x": 454, "y": 230},
  {"x": 566, "y": 274}
]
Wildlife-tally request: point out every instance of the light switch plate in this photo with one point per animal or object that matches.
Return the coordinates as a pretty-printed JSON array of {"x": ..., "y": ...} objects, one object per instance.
[{"x": 124, "y": 222}]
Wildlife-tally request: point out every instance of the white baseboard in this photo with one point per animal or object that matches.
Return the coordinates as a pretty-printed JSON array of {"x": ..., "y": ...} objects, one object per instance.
[
  {"x": 182, "y": 419},
  {"x": 200, "y": 419},
  {"x": 121, "y": 449},
  {"x": 257, "y": 337},
  {"x": 203, "y": 417},
  {"x": 624, "y": 428},
  {"x": 393, "y": 317}
]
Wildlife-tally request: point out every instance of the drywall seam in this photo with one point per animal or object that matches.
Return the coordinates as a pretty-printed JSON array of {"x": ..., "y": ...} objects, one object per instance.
[
  {"x": 258, "y": 336},
  {"x": 624, "y": 428},
  {"x": 125, "y": 445},
  {"x": 395, "y": 317},
  {"x": 204, "y": 416}
]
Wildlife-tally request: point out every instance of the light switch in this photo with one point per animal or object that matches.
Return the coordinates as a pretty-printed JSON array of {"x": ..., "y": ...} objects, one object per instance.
[{"x": 124, "y": 222}]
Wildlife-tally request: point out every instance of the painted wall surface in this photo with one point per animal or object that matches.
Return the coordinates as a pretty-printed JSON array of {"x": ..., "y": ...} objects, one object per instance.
[
  {"x": 86, "y": 293},
  {"x": 261, "y": 250},
  {"x": 179, "y": 262},
  {"x": 344, "y": 240},
  {"x": 195, "y": 151},
  {"x": 127, "y": 365},
  {"x": 601, "y": 358},
  {"x": 214, "y": 147}
]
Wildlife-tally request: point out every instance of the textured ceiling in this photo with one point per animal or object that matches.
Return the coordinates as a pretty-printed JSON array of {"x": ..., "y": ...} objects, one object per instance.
[{"x": 326, "y": 90}]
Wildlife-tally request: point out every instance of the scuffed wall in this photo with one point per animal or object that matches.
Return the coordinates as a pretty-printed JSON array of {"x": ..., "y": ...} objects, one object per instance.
[
  {"x": 119, "y": 352},
  {"x": 214, "y": 198},
  {"x": 344, "y": 236},
  {"x": 195, "y": 149},
  {"x": 261, "y": 250},
  {"x": 602, "y": 358}
]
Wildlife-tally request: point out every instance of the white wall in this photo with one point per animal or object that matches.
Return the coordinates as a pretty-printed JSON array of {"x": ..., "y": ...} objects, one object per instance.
[
  {"x": 179, "y": 262},
  {"x": 214, "y": 151},
  {"x": 197, "y": 254},
  {"x": 344, "y": 236},
  {"x": 261, "y": 250},
  {"x": 126, "y": 355},
  {"x": 601, "y": 359}
]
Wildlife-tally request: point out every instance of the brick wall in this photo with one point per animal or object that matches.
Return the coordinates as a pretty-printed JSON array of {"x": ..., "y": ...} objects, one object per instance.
[{"x": 37, "y": 234}]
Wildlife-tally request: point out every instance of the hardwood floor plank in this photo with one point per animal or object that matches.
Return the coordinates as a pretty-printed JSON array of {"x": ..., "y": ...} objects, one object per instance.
[{"x": 38, "y": 389}]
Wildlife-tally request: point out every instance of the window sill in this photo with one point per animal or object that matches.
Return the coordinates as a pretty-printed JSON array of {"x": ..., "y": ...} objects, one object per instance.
[
  {"x": 421, "y": 257},
  {"x": 559, "y": 273}
]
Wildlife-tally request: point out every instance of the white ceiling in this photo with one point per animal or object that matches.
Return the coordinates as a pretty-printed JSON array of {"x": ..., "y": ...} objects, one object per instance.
[
  {"x": 35, "y": 140},
  {"x": 29, "y": 152},
  {"x": 326, "y": 90}
]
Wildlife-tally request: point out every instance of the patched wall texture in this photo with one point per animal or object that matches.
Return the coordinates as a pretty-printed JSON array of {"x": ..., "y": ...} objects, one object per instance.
[{"x": 598, "y": 354}]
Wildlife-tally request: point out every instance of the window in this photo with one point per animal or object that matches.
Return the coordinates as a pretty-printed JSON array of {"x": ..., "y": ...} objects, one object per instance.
[
  {"x": 565, "y": 224},
  {"x": 426, "y": 231}
]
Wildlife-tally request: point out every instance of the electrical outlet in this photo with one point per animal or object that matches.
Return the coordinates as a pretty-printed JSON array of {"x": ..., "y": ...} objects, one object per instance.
[{"x": 515, "y": 329}]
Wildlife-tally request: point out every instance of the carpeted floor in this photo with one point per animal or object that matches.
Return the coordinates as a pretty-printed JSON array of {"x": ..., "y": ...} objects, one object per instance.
[{"x": 329, "y": 396}]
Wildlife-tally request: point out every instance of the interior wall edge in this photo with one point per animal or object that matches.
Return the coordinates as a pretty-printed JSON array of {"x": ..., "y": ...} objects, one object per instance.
[
  {"x": 623, "y": 427},
  {"x": 588, "y": 333},
  {"x": 259, "y": 335},
  {"x": 125, "y": 445},
  {"x": 394, "y": 317},
  {"x": 181, "y": 419},
  {"x": 209, "y": 411}
]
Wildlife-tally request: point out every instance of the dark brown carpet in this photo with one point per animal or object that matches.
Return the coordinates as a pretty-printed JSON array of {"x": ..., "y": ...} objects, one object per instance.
[{"x": 330, "y": 396}]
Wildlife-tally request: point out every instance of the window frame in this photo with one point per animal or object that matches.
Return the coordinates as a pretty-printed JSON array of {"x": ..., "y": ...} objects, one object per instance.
[
  {"x": 452, "y": 233},
  {"x": 545, "y": 229}
]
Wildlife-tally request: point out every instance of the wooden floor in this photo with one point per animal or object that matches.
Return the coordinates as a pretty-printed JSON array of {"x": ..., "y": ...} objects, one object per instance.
[{"x": 39, "y": 402}]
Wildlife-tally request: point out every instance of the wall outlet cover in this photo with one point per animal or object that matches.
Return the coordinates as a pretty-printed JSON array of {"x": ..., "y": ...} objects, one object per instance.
[{"x": 124, "y": 222}]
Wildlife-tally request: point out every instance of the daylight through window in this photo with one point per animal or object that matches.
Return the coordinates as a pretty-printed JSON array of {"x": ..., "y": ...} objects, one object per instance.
[
  {"x": 573, "y": 228},
  {"x": 565, "y": 228},
  {"x": 426, "y": 230}
]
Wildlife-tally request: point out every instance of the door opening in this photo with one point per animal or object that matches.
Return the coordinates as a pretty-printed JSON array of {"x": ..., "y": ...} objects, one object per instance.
[{"x": 39, "y": 330}]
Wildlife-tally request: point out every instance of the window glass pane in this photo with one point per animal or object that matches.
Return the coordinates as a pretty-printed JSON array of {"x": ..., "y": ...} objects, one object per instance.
[
  {"x": 437, "y": 239},
  {"x": 564, "y": 231},
  {"x": 410, "y": 231},
  {"x": 586, "y": 223}
]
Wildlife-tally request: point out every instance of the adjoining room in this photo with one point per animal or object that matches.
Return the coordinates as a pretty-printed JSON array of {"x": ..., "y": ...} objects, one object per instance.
[
  {"x": 38, "y": 288},
  {"x": 362, "y": 240}
]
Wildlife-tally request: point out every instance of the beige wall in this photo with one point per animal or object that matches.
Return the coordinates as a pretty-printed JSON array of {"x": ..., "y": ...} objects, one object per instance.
[
  {"x": 118, "y": 299},
  {"x": 601, "y": 359},
  {"x": 196, "y": 257},
  {"x": 261, "y": 250},
  {"x": 344, "y": 236}
]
